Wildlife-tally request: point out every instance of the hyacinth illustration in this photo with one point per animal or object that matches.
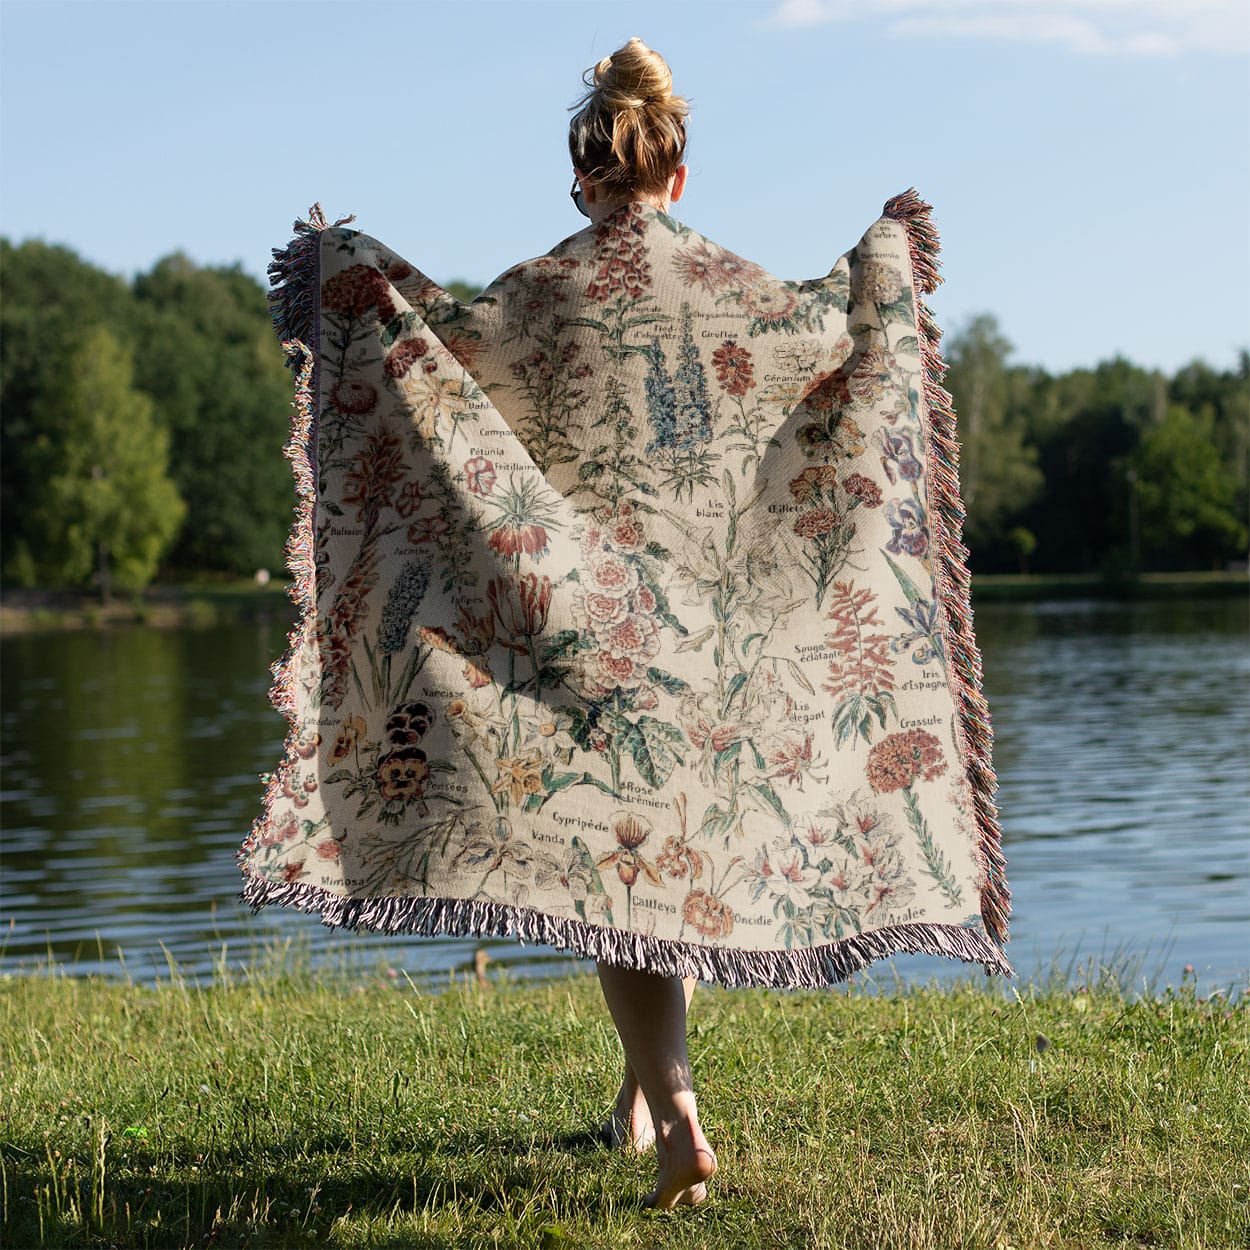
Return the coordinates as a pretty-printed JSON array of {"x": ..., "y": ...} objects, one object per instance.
[
  {"x": 399, "y": 619},
  {"x": 681, "y": 413},
  {"x": 661, "y": 402},
  {"x": 402, "y": 603},
  {"x": 694, "y": 408},
  {"x": 896, "y": 764}
]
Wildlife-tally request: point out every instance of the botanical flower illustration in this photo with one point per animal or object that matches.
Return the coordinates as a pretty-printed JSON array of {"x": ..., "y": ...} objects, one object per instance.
[
  {"x": 551, "y": 379},
  {"x": 866, "y": 491},
  {"x": 432, "y": 399},
  {"x": 525, "y": 520},
  {"x": 900, "y": 759},
  {"x": 827, "y": 529},
  {"x": 631, "y": 832},
  {"x": 402, "y": 602},
  {"x": 679, "y": 860},
  {"x": 896, "y": 764},
  {"x": 519, "y": 776},
  {"x": 480, "y": 475},
  {"x": 909, "y": 531},
  {"x": 709, "y": 916},
  {"x": 348, "y": 736},
  {"x": 356, "y": 290},
  {"x": 802, "y": 356},
  {"x": 705, "y": 265},
  {"x": 771, "y": 307},
  {"x": 402, "y": 773},
  {"x": 733, "y": 368},
  {"x": 898, "y": 459},
  {"x": 862, "y": 677},
  {"x": 621, "y": 265},
  {"x": 880, "y": 282},
  {"x": 403, "y": 356},
  {"x": 681, "y": 415},
  {"x": 354, "y": 396}
]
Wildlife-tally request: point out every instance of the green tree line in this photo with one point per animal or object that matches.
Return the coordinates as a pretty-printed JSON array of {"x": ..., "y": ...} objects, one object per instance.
[{"x": 142, "y": 424}]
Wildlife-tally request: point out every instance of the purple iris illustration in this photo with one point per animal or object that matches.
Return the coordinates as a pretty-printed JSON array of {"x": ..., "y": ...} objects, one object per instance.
[
  {"x": 898, "y": 458},
  {"x": 907, "y": 521}
]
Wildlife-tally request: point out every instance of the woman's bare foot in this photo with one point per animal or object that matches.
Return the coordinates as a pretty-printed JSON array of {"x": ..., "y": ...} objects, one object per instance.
[
  {"x": 629, "y": 1125},
  {"x": 686, "y": 1165}
]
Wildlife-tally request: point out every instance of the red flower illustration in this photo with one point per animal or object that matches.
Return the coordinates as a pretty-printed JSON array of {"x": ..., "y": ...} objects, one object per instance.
[
  {"x": 375, "y": 470},
  {"x": 896, "y": 762},
  {"x": 816, "y": 521},
  {"x": 786, "y": 761},
  {"x": 677, "y": 859},
  {"x": 733, "y": 368},
  {"x": 357, "y": 289},
  {"x": 428, "y": 529},
  {"x": 480, "y": 474},
  {"x": 354, "y": 397},
  {"x": 864, "y": 489},
  {"x": 520, "y": 603},
  {"x": 713, "y": 268},
  {"x": 511, "y": 540},
  {"x": 402, "y": 356},
  {"x": 409, "y": 499},
  {"x": 863, "y": 667},
  {"x": 621, "y": 266}
]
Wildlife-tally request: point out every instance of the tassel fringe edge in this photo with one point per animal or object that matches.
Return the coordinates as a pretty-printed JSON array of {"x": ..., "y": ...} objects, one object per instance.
[
  {"x": 807, "y": 968},
  {"x": 951, "y": 566},
  {"x": 294, "y": 301}
]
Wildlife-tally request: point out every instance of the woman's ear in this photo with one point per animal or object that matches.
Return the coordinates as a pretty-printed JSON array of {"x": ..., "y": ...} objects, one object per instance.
[
  {"x": 678, "y": 185},
  {"x": 588, "y": 186}
]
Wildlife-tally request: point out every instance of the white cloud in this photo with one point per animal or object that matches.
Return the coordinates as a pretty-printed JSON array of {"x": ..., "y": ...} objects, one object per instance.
[{"x": 1137, "y": 28}]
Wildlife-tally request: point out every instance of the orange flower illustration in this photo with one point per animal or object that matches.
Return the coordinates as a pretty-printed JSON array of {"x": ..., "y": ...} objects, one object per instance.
[{"x": 711, "y": 917}]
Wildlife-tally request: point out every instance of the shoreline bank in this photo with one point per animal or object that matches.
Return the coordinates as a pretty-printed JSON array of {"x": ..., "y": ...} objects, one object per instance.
[{"x": 202, "y": 604}]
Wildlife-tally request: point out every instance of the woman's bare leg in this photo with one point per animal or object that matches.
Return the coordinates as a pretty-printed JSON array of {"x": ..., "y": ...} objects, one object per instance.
[
  {"x": 629, "y": 1125},
  {"x": 650, "y": 1015}
]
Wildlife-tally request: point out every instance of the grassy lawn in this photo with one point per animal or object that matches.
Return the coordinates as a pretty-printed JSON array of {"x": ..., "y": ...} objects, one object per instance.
[{"x": 285, "y": 1109}]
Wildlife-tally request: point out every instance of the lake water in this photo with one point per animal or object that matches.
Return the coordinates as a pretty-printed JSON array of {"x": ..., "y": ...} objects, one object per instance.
[{"x": 130, "y": 774}]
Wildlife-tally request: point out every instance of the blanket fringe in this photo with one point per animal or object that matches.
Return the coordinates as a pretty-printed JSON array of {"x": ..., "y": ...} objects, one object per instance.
[
  {"x": 294, "y": 295},
  {"x": 294, "y": 301},
  {"x": 910, "y": 211},
  {"x": 807, "y": 968}
]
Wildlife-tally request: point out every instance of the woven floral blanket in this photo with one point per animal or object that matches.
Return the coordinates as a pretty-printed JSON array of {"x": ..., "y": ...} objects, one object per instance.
[{"x": 634, "y": 616}]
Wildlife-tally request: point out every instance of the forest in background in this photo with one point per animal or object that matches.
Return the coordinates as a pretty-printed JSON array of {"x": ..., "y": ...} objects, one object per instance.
[{"x": 141, "y": 425}]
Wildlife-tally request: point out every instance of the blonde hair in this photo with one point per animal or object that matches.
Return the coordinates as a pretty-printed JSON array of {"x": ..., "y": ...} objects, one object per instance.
[{"x": 629, "y": 133}]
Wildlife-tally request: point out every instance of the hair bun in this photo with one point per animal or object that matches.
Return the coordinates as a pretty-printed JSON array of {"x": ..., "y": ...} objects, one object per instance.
[
  {"x": 629, "y": 132},
  {"x": 633, "y": 77}
]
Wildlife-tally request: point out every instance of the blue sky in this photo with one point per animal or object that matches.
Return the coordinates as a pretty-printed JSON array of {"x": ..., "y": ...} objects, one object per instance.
[{"x": 1089, "y": 160}]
